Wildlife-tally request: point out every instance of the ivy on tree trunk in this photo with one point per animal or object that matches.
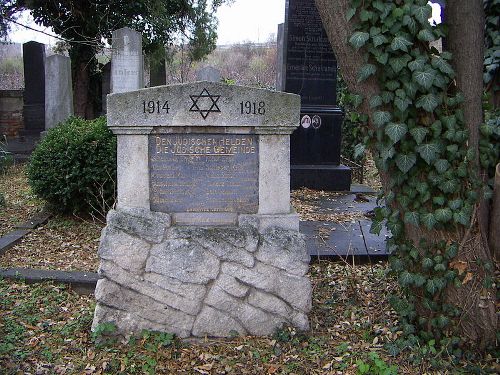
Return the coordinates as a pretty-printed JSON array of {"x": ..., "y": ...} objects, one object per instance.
[{"x": 423, "y": 117}]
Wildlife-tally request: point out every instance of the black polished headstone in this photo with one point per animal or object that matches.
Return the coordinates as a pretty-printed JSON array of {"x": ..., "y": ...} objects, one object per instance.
[
  {"x": 310, "y": 68},
  {"x": 34, "y": 87},
  {"x": 157, "y": 73}
]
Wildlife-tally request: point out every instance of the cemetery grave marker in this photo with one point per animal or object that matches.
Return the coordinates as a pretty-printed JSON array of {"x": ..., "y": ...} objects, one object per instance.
[{"x": 203, "y": 241}]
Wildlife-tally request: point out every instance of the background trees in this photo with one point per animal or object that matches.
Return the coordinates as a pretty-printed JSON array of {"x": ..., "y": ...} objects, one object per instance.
[
  {"x": 424, "y": 125},
  {"x": 85, "y": 25}
]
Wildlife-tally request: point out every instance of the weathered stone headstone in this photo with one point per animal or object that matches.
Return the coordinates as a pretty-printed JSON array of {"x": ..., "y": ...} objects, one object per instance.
[
  {"x": 34, "y": 87},
  {"x": 203, "y": 241},
  {"x": 58, "y": 90},
  {"x": 208, "y": 73},
  {"x": 310, "y": 70},
  {"x": 127, "y": 64}
]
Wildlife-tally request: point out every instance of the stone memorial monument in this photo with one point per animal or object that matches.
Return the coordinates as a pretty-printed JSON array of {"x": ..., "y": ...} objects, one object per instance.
[
  {"x": 127, "y": 63},
  {"x": 203, "y": 240},
  {"x": 309, "y": 68},
  {"x": 58, "y": 90},
  {"x": 34, "y": 87}
]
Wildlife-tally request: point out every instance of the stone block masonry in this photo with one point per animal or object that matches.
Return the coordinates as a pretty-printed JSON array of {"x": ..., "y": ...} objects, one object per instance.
[
  {"x": 11, "y": 113},
  {"x": 203, "y": 240}
]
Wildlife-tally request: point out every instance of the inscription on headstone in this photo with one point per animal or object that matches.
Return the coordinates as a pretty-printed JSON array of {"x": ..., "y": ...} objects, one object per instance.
[
  {"x": 310, "y": 64},
  {"x": 204, "y": 173},
  {"x": 126, "y": 61}
]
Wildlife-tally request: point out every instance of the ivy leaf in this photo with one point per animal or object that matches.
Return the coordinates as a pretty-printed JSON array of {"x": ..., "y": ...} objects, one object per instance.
[
  {"x": 399, "y": 63},
  {"x": 441, "y": 165},
  {"x": 381, "y": 117},
  {"x": 375, "y": 101},
  {"x": 358, "y": 39},
  {"x": 428, "y": 220},
  {"x": 428, "y": 102},
  {"x": 387, "y": 96},
  {"x": 426, "y": 35},
  {"x": 448, "y": 186},
  {"x": 379, "y": 39},
  {"x": 427, "y": 263},
  {"x": 406, "y": 161},
  {"x": 462, "y": 217},
  {"x": 428, "y": 151},
  {"x": 375, "y": 30},
  {"x": 403, "y": 200},
  {"x": 405, "y": 278},
  {"x": 359, "y": 150},
  {"x": 419, "y": 134},
  {"x": 392, "y": 85},
  {"x": 402, "y": 104},
  {"x": 421, "y": 13},
  {"x": 387, "y": 153},
  {"x": 366, "y": 71},
  {"x": 411, "y": 23},
  {"x": 356, "y": 100},
  {"x": 350, "y": 13},
  {"x": 382, "y": 58},
  {"x": 424, "y": 77},
  {"x": 411, "y": 217},
  {"x": 455, "y": 204},
  {"x": 410, "y": 88},
  {"x": 439, "y": 200},
  {"x": 443, "y": 214},
  {"x": 443, "y": 66},
  {"x": 396, "y": 131},
  {"x": 418, "y": 63},
  {"x": 365, "y": 15},
  {"x": 440, "y": 81},
  {"x": 400, "y": 43},
  {"x": 431, "y": 286},
  {"x": 376, "y": 227}
]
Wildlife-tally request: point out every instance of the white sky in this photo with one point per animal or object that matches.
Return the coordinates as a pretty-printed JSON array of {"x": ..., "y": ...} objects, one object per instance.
[{"x": 242, "y": 21}]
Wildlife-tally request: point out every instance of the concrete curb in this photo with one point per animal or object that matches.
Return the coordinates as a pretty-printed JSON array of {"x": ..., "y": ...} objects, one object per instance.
[{"x": 81, "y": 282}]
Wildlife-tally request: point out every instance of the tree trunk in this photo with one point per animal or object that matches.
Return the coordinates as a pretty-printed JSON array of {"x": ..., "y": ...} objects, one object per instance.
[
  {"x": 83, "y": 63},
  {"x": 478, "y": 321}
]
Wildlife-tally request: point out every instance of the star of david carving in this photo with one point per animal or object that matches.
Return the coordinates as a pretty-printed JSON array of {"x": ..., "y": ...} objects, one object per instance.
[{"x": 205, "y": 103}]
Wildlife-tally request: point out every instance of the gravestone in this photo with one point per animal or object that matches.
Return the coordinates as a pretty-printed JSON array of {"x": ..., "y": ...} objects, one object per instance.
[
  {"x": 105, "y": 85},
  {"x": 58, "y": 90},
  {"x": 310, "y": 70},
  {"x": 34, "y": 87},
  {"x": 208, "y": 73},
  {"x": 157, "y": 73},
  {"x": 127, "y": 65},
  {"x": 203, "y": 240}
]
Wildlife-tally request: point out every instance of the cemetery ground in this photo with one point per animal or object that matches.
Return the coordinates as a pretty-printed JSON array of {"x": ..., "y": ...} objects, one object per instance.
[{"x": 45, "y": 328}]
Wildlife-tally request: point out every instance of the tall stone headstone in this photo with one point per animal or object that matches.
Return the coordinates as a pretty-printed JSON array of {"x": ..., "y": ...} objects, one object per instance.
[
  {"x": 157, "y": 73},
  {"x": 127, "y": 63},
  {"x": 34, "y": 87},
  {"x": 208, "y": 73},
  {"x": 105, "y": 85},
  {"x": 310, "y": 70},
  {"x": 203, "y": 240},
  {"x": 58, "y": 90}
]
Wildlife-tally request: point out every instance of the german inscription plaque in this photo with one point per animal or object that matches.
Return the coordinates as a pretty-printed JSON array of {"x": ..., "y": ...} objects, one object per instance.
[{"x": 204, "y": 173}]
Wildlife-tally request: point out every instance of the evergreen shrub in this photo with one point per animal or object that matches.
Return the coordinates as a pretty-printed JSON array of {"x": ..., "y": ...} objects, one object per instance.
[{"x": 74, "y": 166}]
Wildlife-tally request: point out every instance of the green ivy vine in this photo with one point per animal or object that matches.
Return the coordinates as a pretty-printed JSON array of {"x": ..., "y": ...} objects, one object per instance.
[{"x": 420, "y": 139}]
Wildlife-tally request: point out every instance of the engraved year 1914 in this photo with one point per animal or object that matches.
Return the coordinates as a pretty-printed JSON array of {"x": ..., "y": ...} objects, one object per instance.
[
  {"x": 157, "y": 106},
  {"x": 252, "y": 108}
]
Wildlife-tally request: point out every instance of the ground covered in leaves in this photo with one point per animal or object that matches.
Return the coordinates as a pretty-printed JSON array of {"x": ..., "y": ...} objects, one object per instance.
[
  {"x": 20, "y": 203},
  {"x": 45, "y": 329}
]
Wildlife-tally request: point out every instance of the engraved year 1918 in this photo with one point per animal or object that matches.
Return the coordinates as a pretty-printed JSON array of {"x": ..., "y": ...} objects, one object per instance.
[
  {"x": 155, "y": 106},
  {"x": 252, "y": 108}
]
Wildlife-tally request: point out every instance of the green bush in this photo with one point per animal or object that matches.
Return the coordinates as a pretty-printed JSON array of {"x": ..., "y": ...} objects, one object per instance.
[{"x": 74, "y": 166}]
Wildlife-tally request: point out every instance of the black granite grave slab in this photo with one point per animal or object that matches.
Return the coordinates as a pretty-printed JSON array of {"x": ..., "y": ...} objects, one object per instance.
[{"x": 11, "y": 239}]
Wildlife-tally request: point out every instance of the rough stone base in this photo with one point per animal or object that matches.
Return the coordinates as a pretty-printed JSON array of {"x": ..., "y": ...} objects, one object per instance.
[{"x": 200, "y": 281}]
